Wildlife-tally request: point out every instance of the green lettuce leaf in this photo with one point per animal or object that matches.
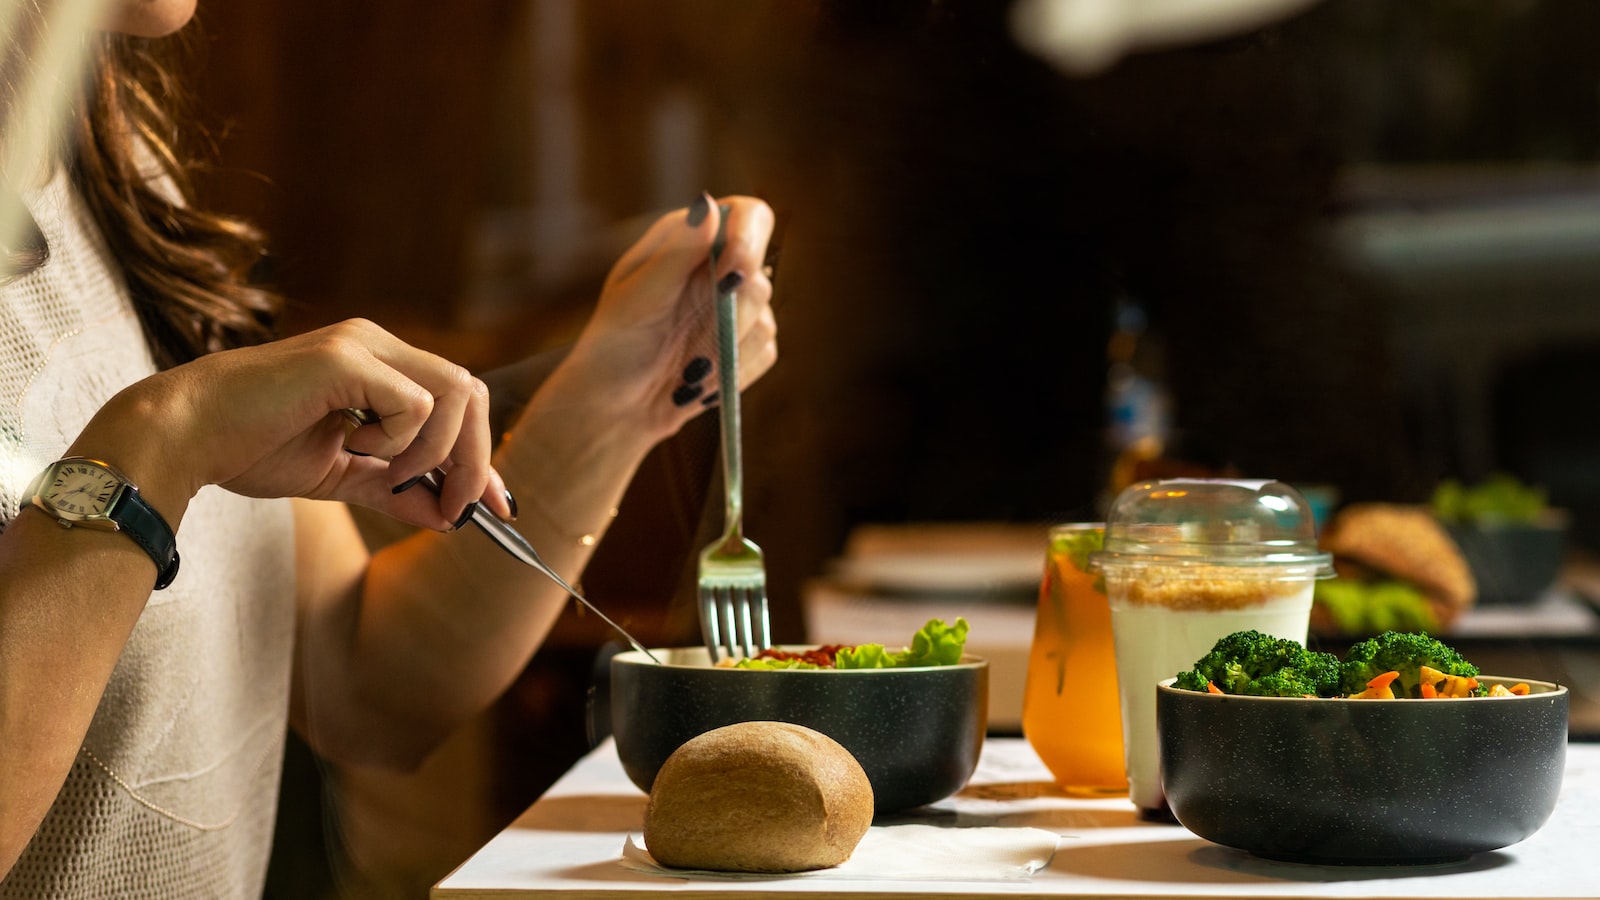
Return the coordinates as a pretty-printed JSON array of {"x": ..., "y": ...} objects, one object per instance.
[
  {"x": 935, "y": 644},
  {"x": 1498, "y": 498},
  {"x": 863, "y": 656}
]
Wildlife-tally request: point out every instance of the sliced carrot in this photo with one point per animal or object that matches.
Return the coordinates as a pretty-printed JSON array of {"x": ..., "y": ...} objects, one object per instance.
[
  {"x": 1211, "y": 688},
  {"x": 1378, "y": 688},
  {"x": 1521, "y": 689},
  {"x": 1428, "y": 692}
]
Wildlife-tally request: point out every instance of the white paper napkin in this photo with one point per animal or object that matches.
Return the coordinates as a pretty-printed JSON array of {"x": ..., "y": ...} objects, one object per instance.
[{"x": 906, "y": 853}]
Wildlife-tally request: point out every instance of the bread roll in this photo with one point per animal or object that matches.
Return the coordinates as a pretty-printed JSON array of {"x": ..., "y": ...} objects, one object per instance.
[
  {"x": 1391, "y": 540},
  {"x": 758, "y": 797}
]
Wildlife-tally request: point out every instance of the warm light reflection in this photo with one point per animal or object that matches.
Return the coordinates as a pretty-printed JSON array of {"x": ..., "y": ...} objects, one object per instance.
[
  {"x": 1279, "y": 504},
  {"x": 38, "y": 107},
  {"x": 1085, "y": 37}
]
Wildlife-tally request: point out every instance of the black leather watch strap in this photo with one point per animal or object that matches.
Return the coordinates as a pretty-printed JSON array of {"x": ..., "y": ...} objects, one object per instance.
[{"x": 146, "y": 526}]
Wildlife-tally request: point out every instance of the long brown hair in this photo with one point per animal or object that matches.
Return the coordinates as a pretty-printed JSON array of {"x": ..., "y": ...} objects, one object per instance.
[{"x": 188, "y": 271}]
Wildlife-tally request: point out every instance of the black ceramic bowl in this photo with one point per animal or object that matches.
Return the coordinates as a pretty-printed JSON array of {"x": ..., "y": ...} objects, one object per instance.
[
  {"x": 1363, "y": 782},
  {"x": 916, "y": 731},
  {"x": 1513, "y": 563}
]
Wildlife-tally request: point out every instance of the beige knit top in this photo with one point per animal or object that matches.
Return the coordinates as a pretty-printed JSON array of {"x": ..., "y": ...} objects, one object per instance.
[{"x": 174, "y": 791}]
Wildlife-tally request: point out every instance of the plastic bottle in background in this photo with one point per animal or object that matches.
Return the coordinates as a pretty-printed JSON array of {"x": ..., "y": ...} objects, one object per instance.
[{"x": 1138, "y": 403}]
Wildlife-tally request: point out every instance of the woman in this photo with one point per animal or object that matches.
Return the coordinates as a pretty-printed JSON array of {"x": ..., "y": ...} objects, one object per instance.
[{"x": 141, "y": 730}]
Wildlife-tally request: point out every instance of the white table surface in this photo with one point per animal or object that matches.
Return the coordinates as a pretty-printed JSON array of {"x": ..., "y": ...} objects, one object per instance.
[{"x": 569, "y": 845}]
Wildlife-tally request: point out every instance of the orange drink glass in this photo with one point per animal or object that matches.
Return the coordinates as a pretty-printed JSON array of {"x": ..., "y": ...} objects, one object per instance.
[{"x": 1071, "y": 715}]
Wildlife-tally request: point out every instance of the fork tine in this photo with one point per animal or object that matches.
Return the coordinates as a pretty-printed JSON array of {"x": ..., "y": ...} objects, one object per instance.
[
  {"x": 763, "y": 621},
  {"x": 710, "y": 624},
  {"x": 745, "y": 629},
  {"x": 730, "y": 619}
]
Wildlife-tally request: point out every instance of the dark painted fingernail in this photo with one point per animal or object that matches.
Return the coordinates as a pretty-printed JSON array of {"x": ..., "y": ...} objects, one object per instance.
[
  {"x": 466, "y": 516},
  {"x": 684, "y": 394},
  {"x": 407, "y": 485},
  {"x": 355, "y": 452},
  {"x": 730, "y": 282},
  {"x": 698, "y": 210},
  {"x": 512, "y": 502},
  {"x": 698, "y": 368},
  {"x": 711, "y": 398}
]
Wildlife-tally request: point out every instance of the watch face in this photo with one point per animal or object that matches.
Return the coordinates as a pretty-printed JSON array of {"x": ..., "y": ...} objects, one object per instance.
[{"x": 81, "y": 489}]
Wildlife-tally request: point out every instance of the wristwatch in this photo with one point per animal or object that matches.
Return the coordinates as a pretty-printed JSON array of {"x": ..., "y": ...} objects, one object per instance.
[{"x": 88, "y": 493}]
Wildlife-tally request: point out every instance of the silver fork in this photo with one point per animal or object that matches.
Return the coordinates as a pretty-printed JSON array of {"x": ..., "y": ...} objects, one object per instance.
[{"x": 733, "y": 573}]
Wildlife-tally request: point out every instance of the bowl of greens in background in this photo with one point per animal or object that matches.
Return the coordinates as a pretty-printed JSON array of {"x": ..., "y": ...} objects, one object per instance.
[
  {"x": 1512, "y": 539},
  {"x": 913, "y": 718},
  {"x": 1339, "y": 778}
]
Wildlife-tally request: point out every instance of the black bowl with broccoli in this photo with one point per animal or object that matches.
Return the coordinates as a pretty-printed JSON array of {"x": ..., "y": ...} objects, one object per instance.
[{"x": 1288, "y": 753}]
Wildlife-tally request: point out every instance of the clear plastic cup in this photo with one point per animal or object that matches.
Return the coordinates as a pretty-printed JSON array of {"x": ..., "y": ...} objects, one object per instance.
[
  {"x": 1187, "y": 561},
  {"x": 1070, "y": 707}
]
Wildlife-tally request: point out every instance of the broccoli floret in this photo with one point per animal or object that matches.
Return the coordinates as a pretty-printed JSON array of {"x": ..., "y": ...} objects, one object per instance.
[
  {"x": 1403, "y": 652},
  {"x": 1250, "y": 662},
  {"x": 1190, "y": 681},
  {"x": 1282, "y": 683},
  {"x": 1305, "y": 673}
]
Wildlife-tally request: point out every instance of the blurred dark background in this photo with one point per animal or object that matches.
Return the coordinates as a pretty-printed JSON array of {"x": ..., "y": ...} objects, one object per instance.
[{"x": 1357, "y": 249}]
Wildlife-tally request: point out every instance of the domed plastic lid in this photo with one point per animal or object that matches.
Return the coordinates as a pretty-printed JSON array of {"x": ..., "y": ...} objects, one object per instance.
[{"x": 1214, "y": 522}]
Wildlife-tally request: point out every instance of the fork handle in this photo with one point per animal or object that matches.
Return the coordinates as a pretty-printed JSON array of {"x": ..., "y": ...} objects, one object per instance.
[{"x": 728, "y": 385}]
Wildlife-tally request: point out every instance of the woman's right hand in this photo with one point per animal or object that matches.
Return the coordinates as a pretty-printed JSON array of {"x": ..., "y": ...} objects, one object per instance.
[{"x": 267, "y": 421}]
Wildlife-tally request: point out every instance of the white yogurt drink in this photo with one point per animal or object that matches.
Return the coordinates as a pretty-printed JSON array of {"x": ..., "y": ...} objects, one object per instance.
[
  {"x": 1188, "y": 561},
  {"x": 1161, "y": 624}
]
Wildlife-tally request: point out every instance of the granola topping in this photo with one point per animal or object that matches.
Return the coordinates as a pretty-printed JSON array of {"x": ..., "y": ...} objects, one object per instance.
[{"x": 1212, "y": 588}]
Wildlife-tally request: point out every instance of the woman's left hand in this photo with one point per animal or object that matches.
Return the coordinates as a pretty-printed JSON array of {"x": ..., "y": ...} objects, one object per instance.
[{"x": 651, "y": 342}]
